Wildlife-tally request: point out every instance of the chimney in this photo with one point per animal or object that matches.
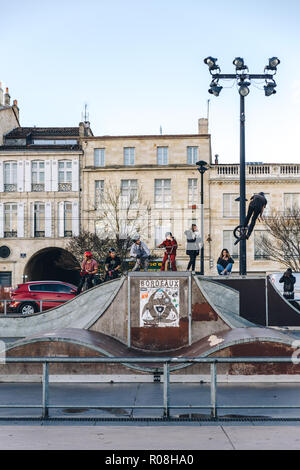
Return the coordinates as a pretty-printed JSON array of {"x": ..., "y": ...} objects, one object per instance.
[
  {"x": 16, "y": 109},
  {"x": 81, "y": 129},
  {"x": 1, "y": 95},
  {"x": 87, "y": 128},
  {"x": 202, "y": 126},
  {"x": 7, "y": 98}
]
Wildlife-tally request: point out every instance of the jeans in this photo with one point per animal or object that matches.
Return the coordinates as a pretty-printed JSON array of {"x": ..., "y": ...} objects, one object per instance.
[
  {"x": 221, "y": 269},
  {"x": 254, "y": 212},
  {"x": 89, "y": 278},
  {"x": 192, "y": 261}
]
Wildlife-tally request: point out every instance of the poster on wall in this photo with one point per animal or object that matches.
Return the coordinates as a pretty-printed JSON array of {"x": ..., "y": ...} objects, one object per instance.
[{"x": 159, "y": 303}]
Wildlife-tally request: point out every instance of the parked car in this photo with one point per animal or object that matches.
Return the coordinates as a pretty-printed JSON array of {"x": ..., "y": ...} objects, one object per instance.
[{"x": 26, "y": 297}]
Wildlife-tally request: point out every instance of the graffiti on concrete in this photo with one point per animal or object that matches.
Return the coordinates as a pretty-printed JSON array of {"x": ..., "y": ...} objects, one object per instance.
[{"x": 159, "y": 303}]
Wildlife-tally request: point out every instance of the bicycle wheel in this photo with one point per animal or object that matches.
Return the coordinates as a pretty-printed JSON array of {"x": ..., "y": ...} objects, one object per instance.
[{"x": 239, "y": 231}]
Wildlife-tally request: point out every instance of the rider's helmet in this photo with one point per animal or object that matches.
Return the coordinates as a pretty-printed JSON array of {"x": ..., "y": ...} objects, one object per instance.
[
  {"x": 136, "y": 238},
  {"x": 168, "y": 234},
  {"x": 88, "y": 254},
  {"x": 111, "y": 250},
  {"x": 261, "y": 193}
]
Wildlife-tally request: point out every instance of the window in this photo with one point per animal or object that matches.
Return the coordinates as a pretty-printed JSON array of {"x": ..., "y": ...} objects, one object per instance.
[
  {"x": 291, "y": 201},
  {"x": 192, "y": 191},
  {"x": 39, "y": 219},
  {"x": 258, "y": 249},
  {"x": 230, "y": 205},
  {"x": 99, "y": 193},
  {"x": 162, "y": 193},
  {"x": 192, "y": 155},
  {"x": 160, "y": 231},
  {"x": 65, "y": 175},
  {"x": 129, "y": 191},
  {"x": 38, "y": 176},
  {"x": 10, "y": 220},
  {"x": 129, "y": 155},
  {"x": 99, "y": 157},
  {"x": 10, "y": 176},
  {"x": 162, "y": 155},
  {"x": 228, "y": 243},
  {"x": 67, "y": 219}
]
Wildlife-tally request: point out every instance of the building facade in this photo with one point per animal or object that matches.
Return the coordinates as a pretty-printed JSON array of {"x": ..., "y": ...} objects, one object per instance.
[
  {"x": 39, "y": 200},
  {"x": 281, "y": 185},
  {"x": 159, "y": 170}
]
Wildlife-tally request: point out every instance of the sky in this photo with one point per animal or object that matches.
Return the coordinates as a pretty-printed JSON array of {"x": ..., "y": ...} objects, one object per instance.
[{"x": 139, "y": 65}]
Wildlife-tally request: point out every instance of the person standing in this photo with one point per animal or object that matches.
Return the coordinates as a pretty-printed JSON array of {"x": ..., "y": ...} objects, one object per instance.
[
  {"x": 224, "y": 263},
  {"x": 193, "y": 241},
  {"x": 288, "y": 284},
  {"x": 141, "y": 253},
  {"x": 89, "y": 268},
  {"x": 255, "y": 211},
  {"x": 170, "y": 244}
]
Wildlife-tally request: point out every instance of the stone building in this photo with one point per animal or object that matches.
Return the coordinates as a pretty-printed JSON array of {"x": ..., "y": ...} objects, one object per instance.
[
  {"x": 39, "y": 197},
  {"x": 281, "y": 184}
]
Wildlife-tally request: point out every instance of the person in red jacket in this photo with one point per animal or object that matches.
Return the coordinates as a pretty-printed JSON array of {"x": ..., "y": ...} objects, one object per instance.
[{"x": 170, "y": 244}]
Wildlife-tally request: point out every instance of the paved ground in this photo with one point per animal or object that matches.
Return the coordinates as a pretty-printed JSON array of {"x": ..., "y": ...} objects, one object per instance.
[
  {"x": 182, "y": 437},
  {"x": 102, "y": 400}
]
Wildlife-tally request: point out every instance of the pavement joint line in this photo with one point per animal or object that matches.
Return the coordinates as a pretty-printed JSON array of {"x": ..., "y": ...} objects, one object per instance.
[{"x": 230, "y": 441}]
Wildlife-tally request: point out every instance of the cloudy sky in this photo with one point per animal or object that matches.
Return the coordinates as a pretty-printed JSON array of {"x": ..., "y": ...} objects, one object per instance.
[{"x": 139, "y": 65}]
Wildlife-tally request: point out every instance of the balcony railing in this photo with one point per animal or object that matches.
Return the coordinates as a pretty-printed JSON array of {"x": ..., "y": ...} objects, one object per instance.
[
  {"x": 64, "y": 186},
  {"x": 10, "y": 234},
  {"x": 271, "y": 171},
  {"x": 38, "y": 187},
  {"x": 10, "y": 188}
]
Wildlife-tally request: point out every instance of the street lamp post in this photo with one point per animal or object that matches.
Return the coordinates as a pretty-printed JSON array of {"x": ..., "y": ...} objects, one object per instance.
[
  {"x": 202, "y": 169},
  {"x": 244, "y": 81}
]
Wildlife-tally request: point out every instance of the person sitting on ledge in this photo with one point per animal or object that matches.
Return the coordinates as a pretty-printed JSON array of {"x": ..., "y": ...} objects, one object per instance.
[{"x": 224, "y": 263}]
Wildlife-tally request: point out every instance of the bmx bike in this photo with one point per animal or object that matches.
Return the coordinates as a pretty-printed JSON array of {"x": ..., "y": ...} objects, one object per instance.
[{"x": 240, "y": 233}]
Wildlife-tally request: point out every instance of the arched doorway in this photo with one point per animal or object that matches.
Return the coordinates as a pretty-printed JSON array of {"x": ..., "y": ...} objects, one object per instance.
[{"x": 52, "y": 264}]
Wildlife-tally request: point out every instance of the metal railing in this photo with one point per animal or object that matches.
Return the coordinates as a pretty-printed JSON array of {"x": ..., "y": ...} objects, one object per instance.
[
  {"x": 213, "y": 407},
  {"x": 32, "y": 301}
]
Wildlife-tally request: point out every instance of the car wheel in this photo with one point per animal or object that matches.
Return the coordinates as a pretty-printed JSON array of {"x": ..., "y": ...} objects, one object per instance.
[{"x": 27, "y": 308}]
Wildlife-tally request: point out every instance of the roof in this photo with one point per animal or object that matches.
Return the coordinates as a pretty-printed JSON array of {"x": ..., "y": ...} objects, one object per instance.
[
  {"x": 22, "y": 132},
  {"x": 40, "y": 147}
]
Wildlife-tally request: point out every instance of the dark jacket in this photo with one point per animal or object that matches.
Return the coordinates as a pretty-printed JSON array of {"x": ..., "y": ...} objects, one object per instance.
[
  {"x": 224, "y": 263},
  {"x": 288, "y": 286},
  {"x": 258, "y": 201}
]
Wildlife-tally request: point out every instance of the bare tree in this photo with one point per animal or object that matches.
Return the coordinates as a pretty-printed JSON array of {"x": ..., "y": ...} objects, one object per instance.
[
  {"x": 121, "y": 214},
  {"x": 281, "y": 242}
]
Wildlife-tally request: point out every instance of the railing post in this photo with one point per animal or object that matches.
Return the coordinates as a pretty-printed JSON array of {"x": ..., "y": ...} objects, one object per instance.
[
  {"x": 4, "y": 307},
  {"x": 166, "y": 390},
  {"x": 213, "y": 389},
  {"x": 41, "y": 305},
  {"x": 190, "y": 308},
  {"x": 45, "y": 411},
  {"x": 128, "y": 313},
  {"x": 267, "y": 305}
]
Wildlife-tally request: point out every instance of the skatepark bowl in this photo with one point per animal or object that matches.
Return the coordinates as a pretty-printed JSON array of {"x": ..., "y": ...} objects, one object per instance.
[{"x": 169, "y": 330}]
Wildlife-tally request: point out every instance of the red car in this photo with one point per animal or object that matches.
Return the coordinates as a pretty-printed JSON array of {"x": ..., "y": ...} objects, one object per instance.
[{"x": 26, "y": 297}]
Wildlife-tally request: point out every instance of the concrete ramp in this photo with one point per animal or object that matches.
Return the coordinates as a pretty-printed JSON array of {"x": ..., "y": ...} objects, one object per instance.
[
  {"x": 224, "y": 300},
  {"x": 240, "y": 342},
  {"x": 80, "y": 312}
]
